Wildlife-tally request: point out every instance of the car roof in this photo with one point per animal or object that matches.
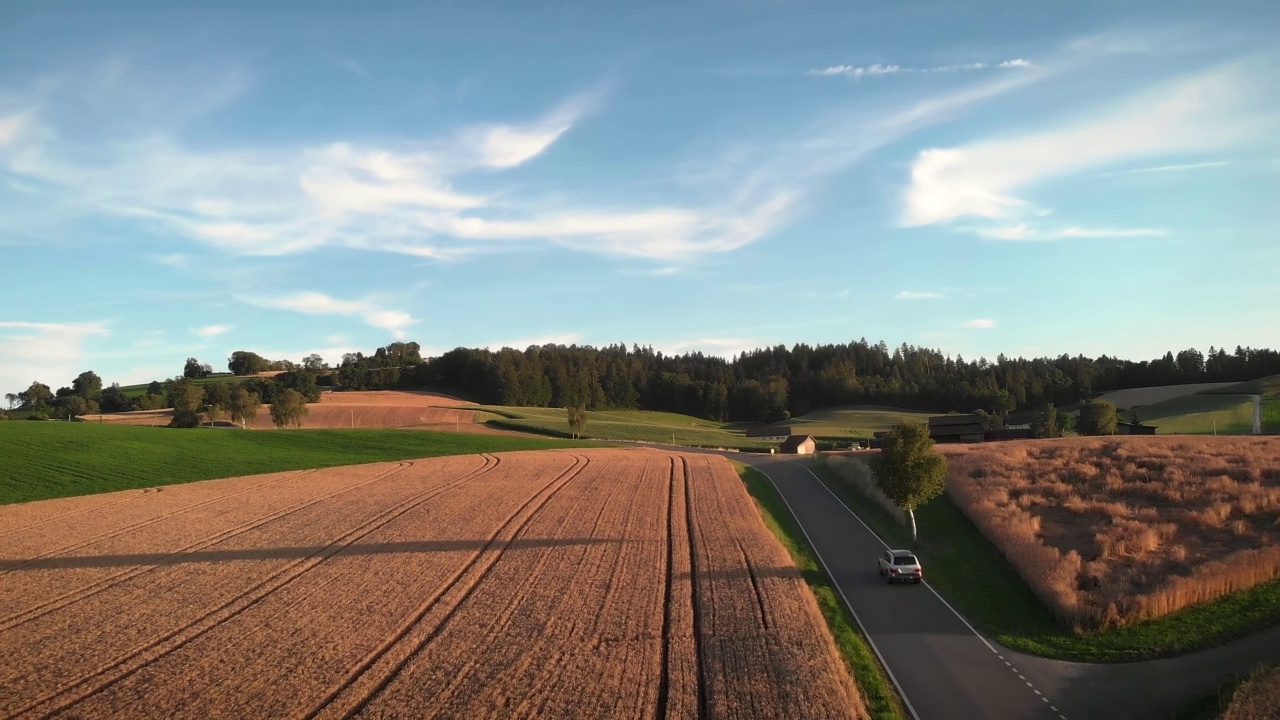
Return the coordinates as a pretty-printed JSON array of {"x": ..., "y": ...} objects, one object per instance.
[{"x": 900, "y": 553}]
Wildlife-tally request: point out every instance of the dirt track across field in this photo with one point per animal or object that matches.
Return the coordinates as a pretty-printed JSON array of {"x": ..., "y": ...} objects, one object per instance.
[{"x": 597, "y": 583}]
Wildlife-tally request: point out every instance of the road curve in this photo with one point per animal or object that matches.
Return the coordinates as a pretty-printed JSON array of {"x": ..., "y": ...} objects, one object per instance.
[{"x": 946, "y": 670}]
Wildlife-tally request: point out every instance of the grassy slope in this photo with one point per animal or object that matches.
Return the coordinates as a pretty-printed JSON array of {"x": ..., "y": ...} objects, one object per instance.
[
  {"x": 658, "y": 427},
  {"x": 857, "y": 421},
  {"x": 632, "y": 425},
  {"x": 976, "y": 579},
  {"x": 1269, "y": 385},
  {"x": 1128, "y": 397},
  {"x": 881, "y": 700},
  {"x": 50, "y": 460},
  {"x": 1201, "y": 414},
  {"x": 141, "y": 389}
]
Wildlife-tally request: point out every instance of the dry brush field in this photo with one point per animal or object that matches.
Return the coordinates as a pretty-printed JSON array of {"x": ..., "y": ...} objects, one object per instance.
[
  {"x": 599, "y": 583},
  {"x": 1111, "y": 530}
]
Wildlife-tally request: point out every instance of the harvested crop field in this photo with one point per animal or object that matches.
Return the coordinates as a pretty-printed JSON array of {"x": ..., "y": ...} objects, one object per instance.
[
  {"x": 598, "y": 583},
  {"x": 355, "y": 409},
  {"x": 1111, "y": 530}
]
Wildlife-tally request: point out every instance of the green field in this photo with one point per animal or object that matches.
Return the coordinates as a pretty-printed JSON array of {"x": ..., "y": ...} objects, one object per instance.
[
  {"x": 1202, "y": 414},
  {"x": 141, "y": 389},
  {"x": 974, "y": 577},
  {"x": 1269, "y": 385},
  {"x": 847, "y": 423},
  {"x": 51, "y": 459},
  {"x": 626, "y": 425},
  {"x": 854, "y": 421}
]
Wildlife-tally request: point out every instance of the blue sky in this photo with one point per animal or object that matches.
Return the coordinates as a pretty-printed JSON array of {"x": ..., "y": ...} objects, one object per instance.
[{"x": 983, "y": 178}]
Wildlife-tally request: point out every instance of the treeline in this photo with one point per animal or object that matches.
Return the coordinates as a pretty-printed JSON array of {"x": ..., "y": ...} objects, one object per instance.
[
  {"x": 768, "y": 384},
  {"x": 86, "y": 396},
  {"x": 772, "y": 384}
]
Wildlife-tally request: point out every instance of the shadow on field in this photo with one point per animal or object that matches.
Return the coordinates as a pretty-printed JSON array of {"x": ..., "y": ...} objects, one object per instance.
[{"x": 67, "y": 562}]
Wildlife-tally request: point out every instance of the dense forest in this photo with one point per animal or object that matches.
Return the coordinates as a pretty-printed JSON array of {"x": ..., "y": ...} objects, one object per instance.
[
  {"x": 775, "y": 383},
  {"x": 768, "y": 385}
]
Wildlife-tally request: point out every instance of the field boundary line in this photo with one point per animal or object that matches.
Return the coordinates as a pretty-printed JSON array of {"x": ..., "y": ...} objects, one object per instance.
[
  {"x": 176, "y": 639},
  {"x": 848, "y": 605},
  {"x": 364, "y": 667}
]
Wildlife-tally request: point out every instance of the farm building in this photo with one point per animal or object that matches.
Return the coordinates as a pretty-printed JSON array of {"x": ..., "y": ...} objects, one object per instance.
[
  {"x": 798, "y": 445},
  {"x": 956, "y": 428},
  {"x": 1124, "y": 428},
  {"x": 769, "y": 432}
]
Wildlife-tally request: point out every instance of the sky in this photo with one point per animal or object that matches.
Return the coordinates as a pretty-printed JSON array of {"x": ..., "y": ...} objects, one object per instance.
[{"x": 187, "y": 180}]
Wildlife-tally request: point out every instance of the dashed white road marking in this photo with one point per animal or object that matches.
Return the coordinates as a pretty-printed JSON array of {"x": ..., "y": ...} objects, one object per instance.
[{"x": 972, "y": 629}]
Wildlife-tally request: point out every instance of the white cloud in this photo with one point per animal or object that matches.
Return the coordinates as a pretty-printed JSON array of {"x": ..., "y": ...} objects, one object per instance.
[
  {"x": 857, "y": 73},
  {"x": 980, "y": 324},
  {"x": 1024, "y": 232},
  {"x": 718, "y": 347},
  {"x": 51, "y": 353},
  {"x": 315, "y": 303},
  {"x": 1168, "y": 168},
  {"x": 12, "y": 126},
  {"x": 1199, "y": 113},
  {"x": 539, "y": 340},
  {"x": 914, "y": 295},
  {"x": 211, "y": 330}
]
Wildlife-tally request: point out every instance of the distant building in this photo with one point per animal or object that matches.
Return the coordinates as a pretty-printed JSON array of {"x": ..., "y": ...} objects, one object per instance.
[
  {"x": 769, "y": 432},
  {"x": 956, "y": 428},
  {"x": 798, "y": 445},
  {"x": 1124, "y": 428}
]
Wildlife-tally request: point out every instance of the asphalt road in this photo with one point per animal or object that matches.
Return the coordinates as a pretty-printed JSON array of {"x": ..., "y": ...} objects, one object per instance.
[{"x": 945, "y": 670}]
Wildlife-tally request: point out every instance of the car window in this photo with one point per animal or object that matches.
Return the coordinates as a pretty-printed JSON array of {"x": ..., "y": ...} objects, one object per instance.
[{"x": 904, "y": 560}]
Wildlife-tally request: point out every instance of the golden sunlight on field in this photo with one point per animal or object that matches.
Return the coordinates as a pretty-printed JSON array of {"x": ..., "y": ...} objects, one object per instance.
[
  {"x": 1109, "y": 530},
  {"x": 597, "y": 583}
]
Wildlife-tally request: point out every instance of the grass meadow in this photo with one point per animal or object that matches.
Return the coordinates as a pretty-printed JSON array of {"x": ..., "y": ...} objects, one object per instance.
[
  {"x": 45, "y": 460},
  {"x": 1201, "y": 415},
  {"x": 854, "y": 421},
  {"x": 664, "y": 427}
]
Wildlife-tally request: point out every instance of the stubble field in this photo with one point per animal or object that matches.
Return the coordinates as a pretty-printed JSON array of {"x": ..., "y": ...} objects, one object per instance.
[
  {"x": 597, "y": 583},
  {"x": 1108, "y": 530}
]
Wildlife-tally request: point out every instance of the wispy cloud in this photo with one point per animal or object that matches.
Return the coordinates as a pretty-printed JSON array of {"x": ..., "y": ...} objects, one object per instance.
[
  {"x": 315, "y": 303},
  {"x": 718, "y": 347},
  {"x": 12, "y": 126},
  {"x": 914, "y": 295},
  {"x": 858, "y": 72},
  {"x": 1168, "y": 168},
  {"x": 1206, "y": 111},
  {"x": 525, "y": 343},
  {"x": 51, "y": 353},
  {"x": 211, "y": 330},
  {"x": 980, "y": 324},
  {"x": 349, "y": 65},
  {"x": 1025, "y": 232}
]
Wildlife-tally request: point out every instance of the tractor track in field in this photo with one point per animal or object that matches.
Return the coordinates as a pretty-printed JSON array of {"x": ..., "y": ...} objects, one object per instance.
[
  {"x": 359, "y": 699},
  {"x": 694, "y": 599},
  {"x": 6, "y": 568},
  {"x": 168, "y": 559},
  {"x": 131, "y": 662},
  {"x": 126, "y": 497}
]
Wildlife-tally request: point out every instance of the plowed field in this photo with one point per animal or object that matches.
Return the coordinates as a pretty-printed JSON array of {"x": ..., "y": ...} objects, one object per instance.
[{"x": 599, "y": 583}]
